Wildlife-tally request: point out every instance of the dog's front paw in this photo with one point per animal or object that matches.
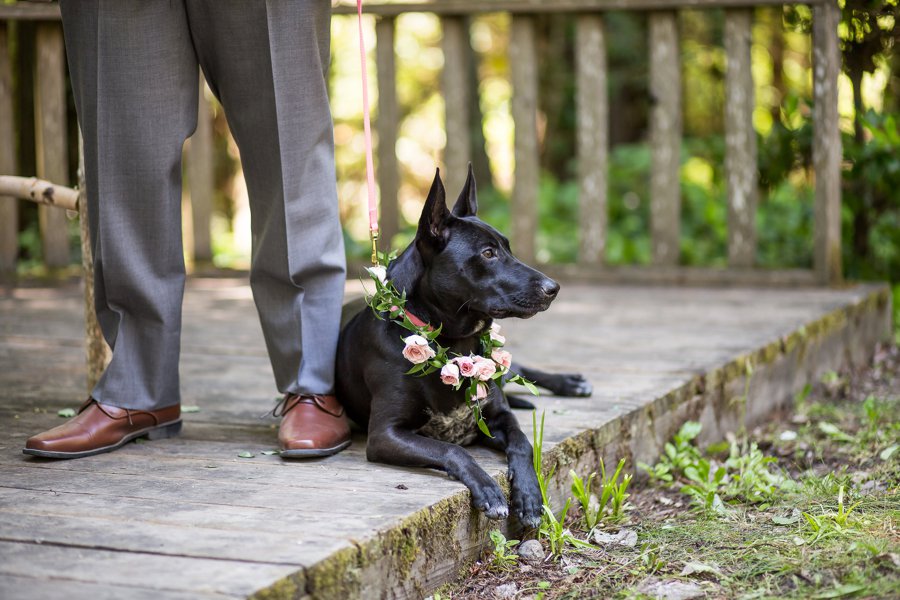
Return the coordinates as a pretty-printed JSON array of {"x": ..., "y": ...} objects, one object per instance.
[
  {"x": 488, "y": 498},
  {"x": 574, "y": 385},
  {"x": 526, "y": 502}
]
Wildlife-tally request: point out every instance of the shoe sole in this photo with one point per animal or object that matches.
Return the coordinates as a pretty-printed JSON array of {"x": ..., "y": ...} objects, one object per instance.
[
  {"x": 314, "y": 452},
  {"x": 159, "y": 432}
]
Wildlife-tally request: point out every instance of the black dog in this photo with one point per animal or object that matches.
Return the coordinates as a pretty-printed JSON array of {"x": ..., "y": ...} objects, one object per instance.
[{"x": 458, "y": 273}]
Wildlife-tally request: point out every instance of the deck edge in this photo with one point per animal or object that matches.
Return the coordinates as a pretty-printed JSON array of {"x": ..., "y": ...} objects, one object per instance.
[{"x": 433, "y": 545}]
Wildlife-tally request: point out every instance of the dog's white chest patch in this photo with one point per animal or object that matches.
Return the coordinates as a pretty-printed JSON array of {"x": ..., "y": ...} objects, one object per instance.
[{"x": 457, "y": 426}]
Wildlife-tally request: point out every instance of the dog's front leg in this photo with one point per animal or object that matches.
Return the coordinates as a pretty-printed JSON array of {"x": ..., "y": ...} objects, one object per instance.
[
  {"x": 397, "y": 446},
  {"x": 525, "y": 493}
]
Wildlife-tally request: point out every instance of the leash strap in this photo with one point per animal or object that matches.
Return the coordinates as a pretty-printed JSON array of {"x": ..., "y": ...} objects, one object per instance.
[{"x": 370, "y": 168}]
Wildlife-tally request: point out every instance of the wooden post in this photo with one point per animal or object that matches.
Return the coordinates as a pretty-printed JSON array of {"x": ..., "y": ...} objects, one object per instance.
[
  {"x": 592, "y": 110},
  {"x": 9, "y": 207},
  {"x": 740, "y": 140},
  {"x": 523, "y": 64},
  {"x": 201, "y": 178},
  {"x": 826, "y": 143},
  {"x": 387, "y": 124},
  {"x": 665, "y": 137},
  {"x": 97, "y": 352},
  {"x": 455, "y": 84},
  {"x": 50, "y": 138}
]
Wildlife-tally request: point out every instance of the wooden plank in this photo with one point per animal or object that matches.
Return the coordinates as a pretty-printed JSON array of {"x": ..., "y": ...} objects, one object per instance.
[
  {"x": 740, "y": 140},
  {"x": 314, "y": 500},
  {"x": 387, "y": 124},
  {"x": 295, "y": 546},
  {"x": 827, "y": 143},
  {"x": 456, "y": 92},
  {"x": 665, "y": 137},
  {"x": 214, "y": 463},
  {"x": 592, "y": 106},
  {"x": 50, "y": 139},
  {"x": 523, "y": 67},
  {"x": 40, "y": 587},
  {"x": 200, "y": 175},
  {"x": 142, "y": 570},
  {"x": 687, "y": 276},
  {"x": 463, "y": 7},
  {"x": 9, "y": 207},
  {"x": 30, "y": 11}
]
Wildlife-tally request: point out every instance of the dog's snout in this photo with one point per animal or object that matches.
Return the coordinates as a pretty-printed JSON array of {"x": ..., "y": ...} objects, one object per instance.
[{"x": 550, "y": 288}]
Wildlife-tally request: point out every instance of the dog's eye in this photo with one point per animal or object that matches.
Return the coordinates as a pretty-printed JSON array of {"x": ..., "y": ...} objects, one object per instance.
[{"x": 488, "y": 253}]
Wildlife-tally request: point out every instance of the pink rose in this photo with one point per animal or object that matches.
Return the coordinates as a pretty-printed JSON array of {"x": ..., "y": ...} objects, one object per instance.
[
  {"x": 450, "y": 374},
  {"x": 502, "y": 358},
  {"x": 466, "y": 365},
  {"x": 481, "y": 391},
  {"x": 484, "y": 368},
  {"x": 496, "y": 337},
  {"x": 417, "y": 349}
]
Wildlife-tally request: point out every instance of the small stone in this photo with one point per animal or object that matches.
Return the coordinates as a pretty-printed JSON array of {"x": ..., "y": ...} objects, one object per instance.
[
  {"x": 669, "y": 589},
  {"x": 624, "y": 537},
  {"x": 401, "y": 487},
  {"x": 507, "y": 590},
  {"x": 788, "y": 436},
  {"x": 531, "y": 551}
]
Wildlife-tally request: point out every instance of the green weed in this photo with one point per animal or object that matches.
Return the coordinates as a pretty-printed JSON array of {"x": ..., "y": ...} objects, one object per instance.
[
  {"x": 830, "y": 523},
  {"x": 502, "y": 556},
  {"x": 613, "y": 494},
  {"x": 679, "y": 454}
]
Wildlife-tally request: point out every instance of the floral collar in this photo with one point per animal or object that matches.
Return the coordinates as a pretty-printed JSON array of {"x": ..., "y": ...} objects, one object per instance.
[{"x": 472, "y": 372}]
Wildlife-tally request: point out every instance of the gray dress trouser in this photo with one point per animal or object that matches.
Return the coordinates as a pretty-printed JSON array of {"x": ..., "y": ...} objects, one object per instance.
[{"x": 134, "y": 68}]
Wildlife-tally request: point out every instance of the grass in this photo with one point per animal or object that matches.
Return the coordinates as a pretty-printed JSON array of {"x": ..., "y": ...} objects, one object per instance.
[{"x": 808, "y": 507}]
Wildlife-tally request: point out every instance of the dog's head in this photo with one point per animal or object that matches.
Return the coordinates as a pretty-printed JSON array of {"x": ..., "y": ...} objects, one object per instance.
[{"x": 459, "y": 264}]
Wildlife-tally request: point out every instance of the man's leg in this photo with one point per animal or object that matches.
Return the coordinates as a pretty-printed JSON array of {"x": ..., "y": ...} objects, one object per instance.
[
  {"x": 134, "y": 74},
  {"x": 267, "y": 63}
]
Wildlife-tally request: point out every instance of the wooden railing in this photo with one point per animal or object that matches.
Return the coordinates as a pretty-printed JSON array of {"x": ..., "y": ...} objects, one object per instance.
[
  {"x": 592, "y": 116},
  {"x": 593, "y": 130},
  {"x": 52, "y": 143}
]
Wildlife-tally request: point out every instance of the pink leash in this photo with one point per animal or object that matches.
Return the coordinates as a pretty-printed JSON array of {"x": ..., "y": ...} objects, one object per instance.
[{"x": 370, "y": 168}]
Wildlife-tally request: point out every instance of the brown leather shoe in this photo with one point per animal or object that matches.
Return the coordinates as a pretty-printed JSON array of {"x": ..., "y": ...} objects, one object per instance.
[
  {"x": 99, "y": 428},
  {"x": 311, "y": 426}
]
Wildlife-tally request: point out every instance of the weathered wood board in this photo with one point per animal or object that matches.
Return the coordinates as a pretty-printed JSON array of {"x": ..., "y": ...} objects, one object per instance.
[{"x": 189, "y": 518}]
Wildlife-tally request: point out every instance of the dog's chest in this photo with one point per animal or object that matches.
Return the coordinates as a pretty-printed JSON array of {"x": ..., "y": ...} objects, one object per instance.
[{"x": 457, "y": 426}]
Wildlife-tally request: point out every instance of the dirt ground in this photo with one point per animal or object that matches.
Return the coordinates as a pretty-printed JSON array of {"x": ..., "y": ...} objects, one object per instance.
[{"x": 829, "y": 529}]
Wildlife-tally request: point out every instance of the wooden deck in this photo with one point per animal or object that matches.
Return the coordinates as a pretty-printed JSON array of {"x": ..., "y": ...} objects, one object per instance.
[{"x": 189, "y": 518}]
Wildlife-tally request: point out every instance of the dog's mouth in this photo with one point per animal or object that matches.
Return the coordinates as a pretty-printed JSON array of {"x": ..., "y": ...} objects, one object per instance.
[{"x": 518, "y": 311}]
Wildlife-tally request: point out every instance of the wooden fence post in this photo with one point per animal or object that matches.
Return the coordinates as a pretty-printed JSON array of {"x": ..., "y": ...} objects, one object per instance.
[
  {"x": 826, "y": 143},
  {"x": 523, "y": 65},
  {"x": 9, "y": 207},
  {"x": 50, "y": 138},
  {"x": 200, "y": 176},
  {"x": 665, "y": 137},
  {"x": 387, "y": 124},
  {"x": 455, "y": 84},
  {"x": 592, "y": 108},
  {"x": 740, "y": 140}
]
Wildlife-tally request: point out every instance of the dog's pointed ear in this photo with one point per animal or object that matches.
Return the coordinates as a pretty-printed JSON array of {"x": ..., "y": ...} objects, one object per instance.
[
  {"x": 433, "y": 222},
  {"x": 467, "y": 203}
]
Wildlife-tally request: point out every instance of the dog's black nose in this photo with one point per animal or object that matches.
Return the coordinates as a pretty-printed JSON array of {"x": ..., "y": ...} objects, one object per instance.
[{"x": 550, "y": 288}]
